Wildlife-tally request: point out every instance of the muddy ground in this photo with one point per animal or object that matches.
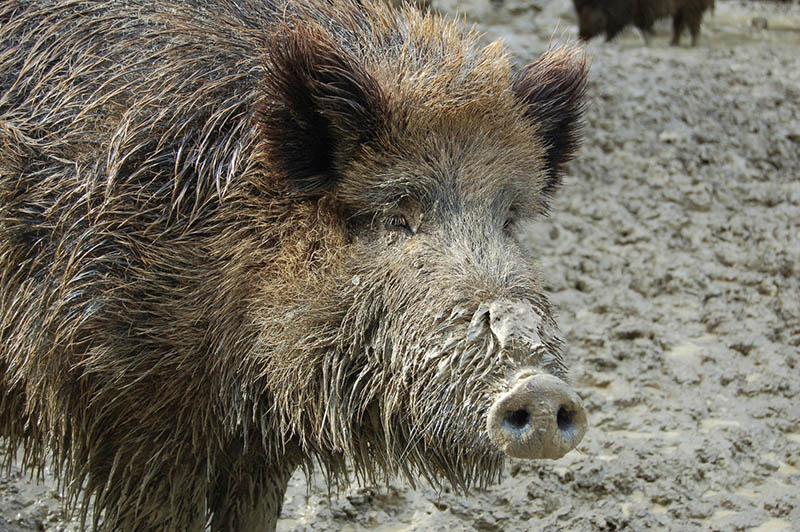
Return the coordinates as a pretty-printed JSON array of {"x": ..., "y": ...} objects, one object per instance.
[{"x": 673, "y": 257}]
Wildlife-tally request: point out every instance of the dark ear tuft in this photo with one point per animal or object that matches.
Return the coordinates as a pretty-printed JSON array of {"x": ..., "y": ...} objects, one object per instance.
[
  {"x": 552, "y": 88},
  {"x": 319, "y": 106}
]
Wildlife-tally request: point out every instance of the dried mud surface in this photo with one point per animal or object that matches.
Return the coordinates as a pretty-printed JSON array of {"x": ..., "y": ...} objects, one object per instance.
[{"x": 673, "y": 257}]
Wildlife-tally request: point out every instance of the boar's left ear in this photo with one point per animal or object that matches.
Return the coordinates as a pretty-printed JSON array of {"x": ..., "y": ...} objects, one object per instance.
[
  {"x": 552, "y": 89},
  {"x": 320, "y": 105}
]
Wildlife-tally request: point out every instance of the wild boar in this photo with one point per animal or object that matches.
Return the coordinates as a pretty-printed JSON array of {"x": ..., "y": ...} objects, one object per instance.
[
  {"x": 612, "y": 16},
  {"x": 243, "y": 237}
]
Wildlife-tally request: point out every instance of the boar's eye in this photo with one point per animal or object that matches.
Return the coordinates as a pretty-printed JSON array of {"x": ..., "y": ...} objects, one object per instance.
[{"x": 397, "y": 222}]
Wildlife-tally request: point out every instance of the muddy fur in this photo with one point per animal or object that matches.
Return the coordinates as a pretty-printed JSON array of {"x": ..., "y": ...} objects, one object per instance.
[
  {"x": 612, "y": 16},
  {"x": 237, "y": 238}
]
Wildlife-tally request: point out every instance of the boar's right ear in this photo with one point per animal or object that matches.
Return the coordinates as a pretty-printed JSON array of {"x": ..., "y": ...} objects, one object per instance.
[
  {"x": 552, "y": 89},
  {"x": 320, "y": 105}
]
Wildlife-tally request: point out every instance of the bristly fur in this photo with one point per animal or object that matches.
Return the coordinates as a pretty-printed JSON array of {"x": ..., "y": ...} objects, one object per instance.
[
  {"x": 198, "y": 293},
  {"x": 320, "y": 105},
  {"x": 553, "y": 88}
]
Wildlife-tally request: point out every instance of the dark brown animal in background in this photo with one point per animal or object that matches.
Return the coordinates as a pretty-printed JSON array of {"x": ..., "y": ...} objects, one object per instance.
[
  {"x": 611, "y": 16},
  {"x": 238, "y": 238}
]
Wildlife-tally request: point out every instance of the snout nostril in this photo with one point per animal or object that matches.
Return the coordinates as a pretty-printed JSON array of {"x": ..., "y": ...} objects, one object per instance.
[
  {"x": 564, "y": 419},
  {"x": 539, "y": 417},
  {"x": 517, "y": 419}
]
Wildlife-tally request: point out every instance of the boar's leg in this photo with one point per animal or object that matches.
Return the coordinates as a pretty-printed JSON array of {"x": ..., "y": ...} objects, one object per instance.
[
  {"x": 613, "y": 29},
  {"x": 644, "y": 17},
  {"x": 248, "y": 496},
  {"x": 694, "y": 27},
  {"x": 259, "y": 514},
  {"x": 677, "y": 28}
]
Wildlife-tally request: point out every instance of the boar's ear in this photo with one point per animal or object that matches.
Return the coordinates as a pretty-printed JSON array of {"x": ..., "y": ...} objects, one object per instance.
[
  {"x": 319, "y": 106},
  {"x": 552, "y": 89}
]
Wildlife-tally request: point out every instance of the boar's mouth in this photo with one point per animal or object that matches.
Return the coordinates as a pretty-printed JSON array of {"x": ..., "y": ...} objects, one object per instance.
[
  {"x": 404, "y": 394},
  {"x": 489, "y": 384}
]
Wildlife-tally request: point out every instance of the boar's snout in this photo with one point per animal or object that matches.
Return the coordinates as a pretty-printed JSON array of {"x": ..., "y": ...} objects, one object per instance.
[{"x": 540, "y": 417}]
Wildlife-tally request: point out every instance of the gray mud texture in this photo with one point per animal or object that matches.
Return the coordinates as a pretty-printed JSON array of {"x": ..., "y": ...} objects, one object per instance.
[{"x": 673, "y": 258}]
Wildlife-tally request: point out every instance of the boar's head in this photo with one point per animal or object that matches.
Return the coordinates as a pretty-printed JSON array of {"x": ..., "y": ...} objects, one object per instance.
[{"x": 408, "y": 332}]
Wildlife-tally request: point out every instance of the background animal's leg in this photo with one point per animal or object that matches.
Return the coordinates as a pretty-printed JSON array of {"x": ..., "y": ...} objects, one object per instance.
[
  {"x": 677, "y": 27},
  {"x": 694, "y": 27}
]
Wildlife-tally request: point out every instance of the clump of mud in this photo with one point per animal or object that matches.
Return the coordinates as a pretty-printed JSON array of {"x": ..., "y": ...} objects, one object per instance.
[{"x": 673, "y": 258}]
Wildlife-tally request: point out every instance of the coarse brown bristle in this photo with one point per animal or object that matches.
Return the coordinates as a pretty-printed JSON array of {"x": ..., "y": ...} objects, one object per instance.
[{"x": 179, "y": 183}]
